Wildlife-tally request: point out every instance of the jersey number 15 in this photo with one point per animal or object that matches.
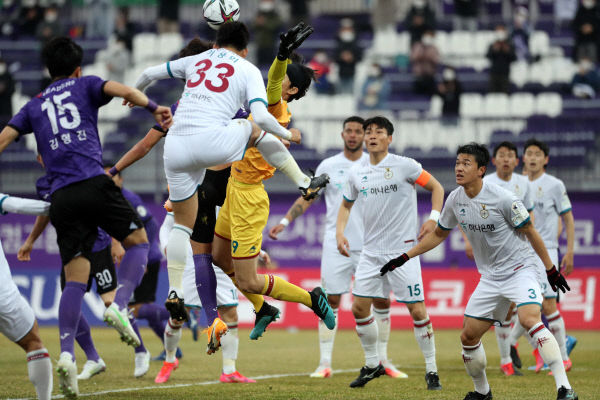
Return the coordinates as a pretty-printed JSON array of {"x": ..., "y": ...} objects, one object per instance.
[{"x": 205, "y": 65}]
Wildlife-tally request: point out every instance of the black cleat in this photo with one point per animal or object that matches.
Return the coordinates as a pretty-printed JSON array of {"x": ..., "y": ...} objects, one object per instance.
[
  {"x": 367, "y": 374},
  {"x": 514, "y": 355},
  {"x": 176, "y": 307},
  {"x": 321, "y": 307},
  {"x": 478, "y": 396},
  {"x": 264, "y": 317},
  {"x": 433, "y": 381},
  {"x": 566, "y": 394},
  {"x": 316, "y": 184}
]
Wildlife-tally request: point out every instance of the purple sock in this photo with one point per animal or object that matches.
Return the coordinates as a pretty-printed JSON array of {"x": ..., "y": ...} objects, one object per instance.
[
  {"x": 131, "y": 272},
  {"x": 206, "y": 284},
  {"x": 156, "y": 315},
  {"x": 141, "y": 348},
  {"x": 69, "y": 311},
  {"x": 84, "y": 339}
]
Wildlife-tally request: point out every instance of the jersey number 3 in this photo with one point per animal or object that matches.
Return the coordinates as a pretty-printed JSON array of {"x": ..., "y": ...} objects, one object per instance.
[{"x": 205, "y": 65}]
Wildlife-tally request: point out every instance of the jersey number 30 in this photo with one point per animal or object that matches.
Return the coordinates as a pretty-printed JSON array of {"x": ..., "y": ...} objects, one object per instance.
[{"x": 205, "y": 65}]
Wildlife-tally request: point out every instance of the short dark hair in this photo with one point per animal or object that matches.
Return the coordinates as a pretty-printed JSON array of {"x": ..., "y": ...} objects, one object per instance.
[
  {"x": 479, "y": 151},
  {"x": 354, "y": 118},
  {"x": 62, "y": 56},
  {"x": 381, "y": 122},
  {"x": 234, "y": 34},
  {"x": 508, "y": 145},
  {"x": 535, "y": 142},
  {"x": 195, "y": 46},
  {"x": 300, "y": 77}
]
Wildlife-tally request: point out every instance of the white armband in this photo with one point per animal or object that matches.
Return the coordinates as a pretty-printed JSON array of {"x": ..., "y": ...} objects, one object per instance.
[
  {"x": 284, "y": 221},
  {"x": 434, "y": 215}
]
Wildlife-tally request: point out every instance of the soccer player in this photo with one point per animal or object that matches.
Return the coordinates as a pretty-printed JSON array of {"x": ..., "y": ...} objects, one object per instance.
[
  {"x": 498, "y": 227},
  {"x": 385, "y": 184},
  {"x": 64, "y": 120},
  {"x": 336, "y": 270},
  {"x": 17, "y": 321}
]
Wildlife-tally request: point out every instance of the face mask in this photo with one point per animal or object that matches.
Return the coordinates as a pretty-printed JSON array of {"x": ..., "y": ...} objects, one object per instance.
[
  {"x": 520, "y": 19},
  {"x": 427, "y": 40},
  {"x": 50, "y": 17},
  {"x": 448, "y": 75},
  {"x": 320, "y": 58},
  {"x": 2, "y": 69},
  {"x": 347, "y": 36},
  {"x": 585, "y": 65},
  {"x": 500, "y": 35}
]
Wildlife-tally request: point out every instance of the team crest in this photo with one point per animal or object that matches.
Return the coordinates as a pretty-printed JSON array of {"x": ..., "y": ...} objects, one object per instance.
[
  {"x": 517, "y": 190},
  {"x": 484, "y": 213},
  {"x": 540, "y": 192},
  {"x": 388, "y": 174}
]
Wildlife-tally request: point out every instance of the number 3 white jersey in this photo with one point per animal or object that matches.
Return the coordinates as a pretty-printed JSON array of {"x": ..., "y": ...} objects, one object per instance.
[{"x": 217, "y": 83}]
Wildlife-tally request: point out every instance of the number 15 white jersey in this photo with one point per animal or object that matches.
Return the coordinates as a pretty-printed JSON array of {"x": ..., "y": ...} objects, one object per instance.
[{"x": 217, "y": 83}]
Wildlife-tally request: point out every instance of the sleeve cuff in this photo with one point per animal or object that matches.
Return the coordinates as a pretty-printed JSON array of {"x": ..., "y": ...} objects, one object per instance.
[
  {"x": 169, "y": 69},
  {"x": 259, "y": 99},
  {"x": 443, "y": 227},
  {"x": 565, "y": 211},
  {"x": 522, "y": 224},
  {"x": 2, "y": 212},
  {"x": 347, "y": 199}
]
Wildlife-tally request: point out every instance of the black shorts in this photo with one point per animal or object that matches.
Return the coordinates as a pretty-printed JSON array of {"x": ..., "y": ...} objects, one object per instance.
[
  {"x": 146, "y": 291},
  {"x": 102, "y": 270},
  {"x": 211, "y": 194},
  {"x": 77, "y": 210}
]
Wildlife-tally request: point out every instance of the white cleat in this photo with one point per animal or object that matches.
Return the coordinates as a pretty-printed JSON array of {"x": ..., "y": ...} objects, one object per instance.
[
  {"x": 393, "y": 372},
  {"x": 142, "y": 364},
  {"x": 91, "y": 368},
  {"x": 67, "y": 375},
  {"x": 322, "y": 372},
  {"x": 119, "y": 319}
]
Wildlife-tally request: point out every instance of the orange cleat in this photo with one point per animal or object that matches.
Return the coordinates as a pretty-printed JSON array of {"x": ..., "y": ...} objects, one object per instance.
[
  {"x": 235, "y": 377},
  {"x": 539, "y": 361},
  {"x": 322, "y": 372},
  {"x": 568, "y": 365},
  {"x": 393, "y": 372},
  {"x": 165, "y": 372},
  {"x": 214, "y": 334},
  {"x": 509, "y": 370}
]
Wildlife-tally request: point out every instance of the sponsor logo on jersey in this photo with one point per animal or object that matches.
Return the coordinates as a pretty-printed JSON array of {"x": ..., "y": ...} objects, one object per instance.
[{"x": 364, "y": 179}]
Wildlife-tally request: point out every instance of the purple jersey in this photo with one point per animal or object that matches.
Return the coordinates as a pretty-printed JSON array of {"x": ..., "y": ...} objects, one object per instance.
[
  {"x": 43, "y": 191},
  {"x": 64, "y": 120},
  {"x": 150, "y": 224}
]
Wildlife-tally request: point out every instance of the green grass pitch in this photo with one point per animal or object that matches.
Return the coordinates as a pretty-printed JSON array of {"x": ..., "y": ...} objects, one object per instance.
[{"x": 292, "y": 356}]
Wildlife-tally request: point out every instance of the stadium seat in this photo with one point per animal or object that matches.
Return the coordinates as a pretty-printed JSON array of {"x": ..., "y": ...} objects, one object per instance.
[
  {"x": 435, "y": 106},
  {"x": 539, "y": 43},
  {"x": 519, "y": 73},
  {"x": 482, "y": 41},
  {"x": 471, "y": 105},
  {"x": 168, "y": 44},
  {"x": 441, "y": 41},
  {"x": 563, "y": 69},
  {"x": 144, "y": 47},
  {"x": 496, "y": 105},
  {"x": 461, "y": 43},
  {"x": 540, "y": 72},
  {"x": 548, "y": 104},
  {"x": 522, "y": 104}
]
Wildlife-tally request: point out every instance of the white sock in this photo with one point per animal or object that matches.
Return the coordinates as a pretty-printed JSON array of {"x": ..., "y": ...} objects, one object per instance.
[
  {"x": 382, "y": 317},
  {"x": 548, "y": 348},
  {"x": 475, "y": 363},
  {"x": 366, "y": 328},
  {"x": 556, "y": 324},
  {"x": 516, "y": 332},
  {"x": 275, "y": 153},
  {"x": 177, "y": 250},
  {"x": 171, "y": 338},
  {"x": 39, "y": 368},
  {"x": 230, "y": 343},
  {"x": 424, "y": 335},
  {"x": 326, "y": 339},
  {"x": 503, "y": 338}
]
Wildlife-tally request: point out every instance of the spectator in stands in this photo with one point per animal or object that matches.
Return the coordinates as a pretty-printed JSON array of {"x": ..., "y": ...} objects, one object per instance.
[
  {"x": 465, "y": 15},
  {"x": 420, "y": 18},
  {"x": 321, "y": 64},
  {"x": 501, "y": 54},
  {"x": 49, "y": 27},
  {"x": 30, "y": 17},
  {"x": 520, "y": 34},
  {"x": 586, "y": 81},
  {"x": 375, "y": 91},
  {"x": 450, "y": 90},
  {"x": 564, "y": 13},
  {"x": 124, "y": 28},
  {"x": 299, "y": 11},
  {"x": 267, "y": 25},
  {"x": 168, "y": 16},
  {"x": 9, "y": 17},
  {"x": 7, "y": 88},
  {"x": 100, "y": 19},
  {"x": 118, "y": 59},
  {"x": 425, "y": 58},
  {"x": 587, "y": 31},
  {"x": 347, "y": 55}
]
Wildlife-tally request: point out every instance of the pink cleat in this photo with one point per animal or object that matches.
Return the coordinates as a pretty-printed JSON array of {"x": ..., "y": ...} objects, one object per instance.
[
  {"x": 568, "y": 365},
  {"x": 539, "y": 361},
  {"x": 235, "y": 377},
  {"x": 165, "y": 372},
  {"x": 509, "y": 370}
]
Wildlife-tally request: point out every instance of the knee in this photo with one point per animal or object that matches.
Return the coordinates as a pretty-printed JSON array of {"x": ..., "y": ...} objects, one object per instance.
[
  {"x": 253, "y": 286},
  {"x": 549, "y": 307},
  {"x": 417, "y": 311},
  {"x": 136, "y": 237},
  {"x": 334, "y": 301},
  {"x": 360, "y": 311},
  {"x": 468, "y": 338}
]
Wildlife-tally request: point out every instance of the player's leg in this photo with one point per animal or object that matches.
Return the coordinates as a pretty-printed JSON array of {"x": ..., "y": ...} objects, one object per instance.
[
  {"x": 473, "y": 356},
  {"x": 556, "y": 324},
  {"x": 502, "y": 333},
  {"x": 381, "y": 311},
  {"x": 39, "y": 366},
  {"x": 366, "y": 329},
  {"x": 172, "y": 336},
  {"x": 326, "y": 339},
  {"x": 230, "y": 343},
  {"x": 94, "y": 364}
]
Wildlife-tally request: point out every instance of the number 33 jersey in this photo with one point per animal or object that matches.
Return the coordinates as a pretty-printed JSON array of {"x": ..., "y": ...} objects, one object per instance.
[{"x": 217, "y": 83}]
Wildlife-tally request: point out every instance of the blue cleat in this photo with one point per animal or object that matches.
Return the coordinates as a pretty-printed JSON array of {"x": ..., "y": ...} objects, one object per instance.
[
  {"x": 321, "y": 307},
  {"x": 162, "y": 356},
  {"x": 570, "y": 343},
  {"x": 264, "y": 317}
]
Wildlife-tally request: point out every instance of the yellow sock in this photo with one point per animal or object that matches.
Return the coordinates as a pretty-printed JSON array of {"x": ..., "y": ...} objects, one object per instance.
[
  {"x": 257, "y": 300},
  {"x": 281, "y": 289}
]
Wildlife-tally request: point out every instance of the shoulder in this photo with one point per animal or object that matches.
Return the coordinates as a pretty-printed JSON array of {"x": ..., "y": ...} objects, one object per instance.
[
  {"x": 451, "y": 199},
  {"x": 398, "y": 160},
  {"x": 496, "y": 190}
]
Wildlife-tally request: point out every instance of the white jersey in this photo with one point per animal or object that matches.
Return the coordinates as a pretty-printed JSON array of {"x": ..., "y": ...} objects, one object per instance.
[
  {"x": 551, "y": 201},
  {"x": 218, "y": 83},
  {"x": 518, "y": 184},
  {"x": 389, "y": 196},
  {"x": 490, "y": 220},
  {"x": 8, "y": 289},
  {"x": 338, "y": 167}
]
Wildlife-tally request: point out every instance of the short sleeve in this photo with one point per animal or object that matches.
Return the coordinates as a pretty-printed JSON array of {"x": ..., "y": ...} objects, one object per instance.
[
  {"x": 255, "y": 87},
  {"x": 20, "y": 122},
  {"x": 176, "y": 68},
  {"x": 561, "y": 199},
  {"x": 528, "y": 198},
  {"x": 413, "y": 170},
  {"x": 447, "y": 219},
  {"x": 350, "y": 189},
  {"x": 514, "y": 211},
  {"x": 95, "y": 86}
]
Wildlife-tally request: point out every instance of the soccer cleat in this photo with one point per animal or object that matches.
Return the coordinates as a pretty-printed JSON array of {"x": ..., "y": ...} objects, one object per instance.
[
  {"x": 91, "y": 368},
  {"x": 165, "y": 372},
  {"x": 67, "y": 375},
  {"x": 176, "y": 307},
  {"x": 514, "y": 355},
  {"x": 119, "y": 319},
  {"x": 478, "y": 396},
  {"x": 314, "y": 188},
  {"x": 321, "y": 307},
  {"x": 568, "y": 365},
  {"x": 539, "y": 361},
  {"x": 214, "y": 333},
  {"x": 235, "y": 377},
  {"x": 163, "y": 355},
  {"x": 264, "y": 317},
  {"x": 393, "y": 372},
  {"x": 367, "y": 374},
  {"x": 433, "y": 381},
  {"x": 322, "y": 372},
  {"x": 566, "y": 394},
  {"x": 509, "y": 370},
  {"x": 142, "y": 364},
  {"x": 570, "y": 343}
]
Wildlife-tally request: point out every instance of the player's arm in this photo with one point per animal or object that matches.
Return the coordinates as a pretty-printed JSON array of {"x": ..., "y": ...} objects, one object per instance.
[
  {"x": 268, "y": 123},
  {"x": 340, "y": 226},
  {"x": 297, "y": 209},
  {"x": 468, "y": 247},
  {"x": 138, "y": 151},
  {"x": 429, "y": 183},
  {"x": 7, "y": 136},
  {"x": 18, "y": 205},
  {"x": 569, "y": 223},
  {"x": 40, "y": 224},
  {"x": 117, "y": 252},
  {"x": 157, "y": 72},
  {"x": 275, "y": 79}
]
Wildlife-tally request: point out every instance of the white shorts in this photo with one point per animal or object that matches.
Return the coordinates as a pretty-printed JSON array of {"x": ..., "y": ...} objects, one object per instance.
[
  {"x": 405, "y": 282},
  {"x": 16, "y": 318},
  {"x": 187, "y": 157},
  {"x": 546, "y": 288},
  {"x": 337, "y": 270},
  {"x": 226, "y": 292},
  {"x": 491, "y": 299}
]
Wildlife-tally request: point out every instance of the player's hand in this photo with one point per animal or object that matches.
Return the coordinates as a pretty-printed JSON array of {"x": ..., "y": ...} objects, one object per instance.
[
  {"x": 343, "y": 246},
  {"x": 557, "y": 281},
  {"x": 428, "y": 226},
  {"x": 286, "y": 143},
  {"x": 296, "y": 136},
  {"x": 163, "y": 116},
  {"x": 394, "y": 263},
  {"x": 117, "y": 252},
  {"x": 265, "y": 257},
  {"x": 276, "y": 230},
  {"x": 24, "y": 253},
  {"x": 292, "y": 39},
  {"x": 168, "y": 206},
  {"x": 566, "y": 264}
]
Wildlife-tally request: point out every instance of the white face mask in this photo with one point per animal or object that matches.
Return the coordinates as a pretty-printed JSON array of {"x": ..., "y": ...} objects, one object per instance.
[
  {"x": 585, "y": 65},
  {"x": 3, "y": 69},
  {"x": 347, "y": 36},
  {"x": 50, "y": 17},
  {"x": 321, "y": 58},
  {"x": 448, "y": 75},
  {"x": 500, "y": 35}
]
